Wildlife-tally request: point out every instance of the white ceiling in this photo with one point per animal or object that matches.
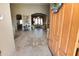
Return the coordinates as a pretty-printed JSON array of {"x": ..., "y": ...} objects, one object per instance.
[{"x": 32, "y": 3}]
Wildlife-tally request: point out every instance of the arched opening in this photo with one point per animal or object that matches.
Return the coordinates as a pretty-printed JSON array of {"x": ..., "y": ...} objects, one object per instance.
[{"x": 38, "y": 20}]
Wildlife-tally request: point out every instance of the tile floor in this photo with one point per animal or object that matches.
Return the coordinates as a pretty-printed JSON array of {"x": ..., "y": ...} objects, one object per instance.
[{"x": 32, "y": 43}]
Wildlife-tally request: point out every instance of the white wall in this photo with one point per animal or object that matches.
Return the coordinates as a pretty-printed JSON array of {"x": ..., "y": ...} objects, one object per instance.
[
  {"x": 7, "y": 46},
  {"x": 27, "y": 9}
]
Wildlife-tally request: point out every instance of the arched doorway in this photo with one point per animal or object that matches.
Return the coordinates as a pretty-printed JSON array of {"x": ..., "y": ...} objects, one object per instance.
[{"x": 38, "y": 20}]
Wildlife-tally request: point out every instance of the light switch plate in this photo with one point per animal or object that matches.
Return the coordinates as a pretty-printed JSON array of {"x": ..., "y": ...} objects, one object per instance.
[{"x": 1, "y": 17}]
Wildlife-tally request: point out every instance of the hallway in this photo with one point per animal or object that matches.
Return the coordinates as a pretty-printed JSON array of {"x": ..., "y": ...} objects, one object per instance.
[{"x": 32, "y": 43}]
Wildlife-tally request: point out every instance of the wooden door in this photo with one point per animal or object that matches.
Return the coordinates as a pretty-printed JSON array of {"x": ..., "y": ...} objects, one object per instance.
[
  {"x": 64, "y": 27},
  {"x": 74, "y": 33},
  {"x": 67, "y": 19}
]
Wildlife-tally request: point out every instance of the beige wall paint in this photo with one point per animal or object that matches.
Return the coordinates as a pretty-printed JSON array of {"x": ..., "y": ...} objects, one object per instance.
[
  {"x": 7, "y": 45},
  {"x": 27, "y": 9}
]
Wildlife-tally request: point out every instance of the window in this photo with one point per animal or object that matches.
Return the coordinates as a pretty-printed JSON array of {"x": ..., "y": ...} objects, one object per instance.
[
  {"x": 38, "y": 21},
  {"x": 21, "y": 22}
]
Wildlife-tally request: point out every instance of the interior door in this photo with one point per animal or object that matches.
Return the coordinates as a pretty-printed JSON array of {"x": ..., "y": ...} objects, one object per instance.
[
  {"x": 67, "y": 19},
  {"x": 64, "y": 26}
]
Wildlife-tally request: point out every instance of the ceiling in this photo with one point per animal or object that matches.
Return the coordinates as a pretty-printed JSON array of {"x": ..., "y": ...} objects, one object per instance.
[{"x": 32, "y": 3}]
